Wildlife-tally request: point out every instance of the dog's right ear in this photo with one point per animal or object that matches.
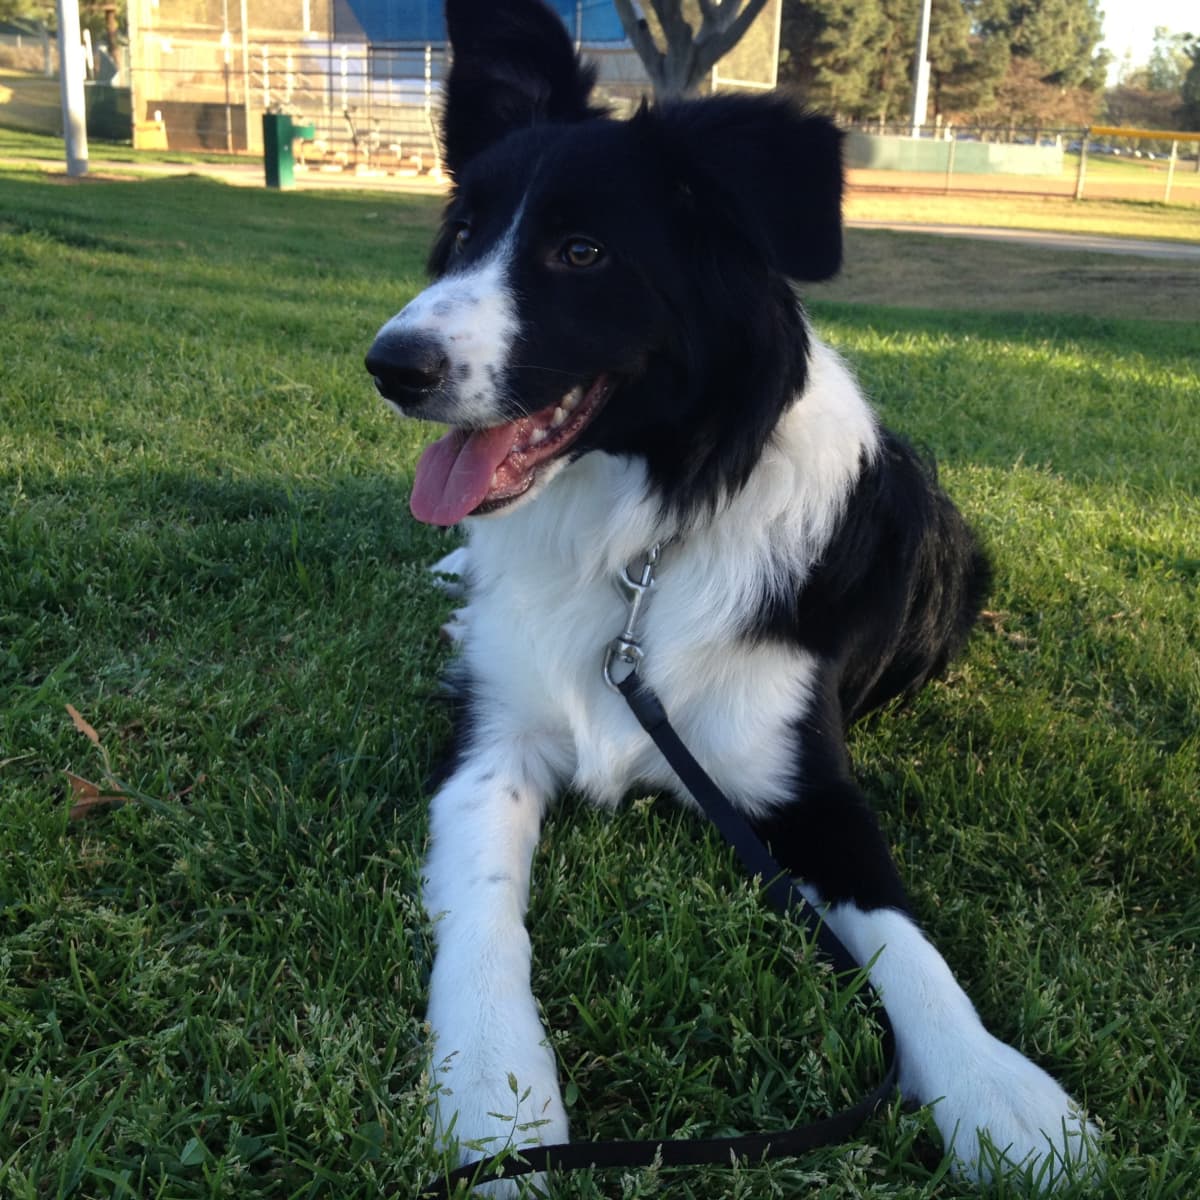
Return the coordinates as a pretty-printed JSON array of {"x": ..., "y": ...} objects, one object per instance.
[{"x": 514, "y": 66}]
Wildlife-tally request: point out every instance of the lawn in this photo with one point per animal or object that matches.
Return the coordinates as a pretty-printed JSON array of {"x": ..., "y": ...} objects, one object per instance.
[
  {"x": 30, "y": 102},
  {"x": 18, "y": 142},
  {"x": 216, "y": 987}
]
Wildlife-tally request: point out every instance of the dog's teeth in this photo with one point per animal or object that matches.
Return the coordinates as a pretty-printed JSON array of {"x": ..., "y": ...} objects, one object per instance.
[
  {"x": 537, "y": 436},
  {"x": 560, "y": 415},
  {"x": 572, "y": 398}
]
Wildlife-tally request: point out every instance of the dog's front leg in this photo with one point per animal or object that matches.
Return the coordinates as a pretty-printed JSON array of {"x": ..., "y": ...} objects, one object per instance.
[
  {"x": 495, "y": 1077},
  {"x": 999, "y": 1114}
]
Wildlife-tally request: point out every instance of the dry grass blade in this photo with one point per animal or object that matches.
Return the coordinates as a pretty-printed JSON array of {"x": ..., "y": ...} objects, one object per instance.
[{"x": 82, "y": 725}]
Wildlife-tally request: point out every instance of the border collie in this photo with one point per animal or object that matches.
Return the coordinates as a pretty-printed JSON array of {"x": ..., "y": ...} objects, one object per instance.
[{"x": 613, "y": 339}]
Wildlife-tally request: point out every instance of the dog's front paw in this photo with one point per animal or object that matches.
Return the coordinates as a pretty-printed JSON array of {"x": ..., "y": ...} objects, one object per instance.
[
  {"x": 481, "y": 1108},
  {"x": 1000, "y": 1115}
]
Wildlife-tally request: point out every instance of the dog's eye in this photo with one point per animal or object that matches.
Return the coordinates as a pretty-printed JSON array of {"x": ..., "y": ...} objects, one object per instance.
[
  {"x": 580, "y": 252},
  {"x": 462, "y": 235}
]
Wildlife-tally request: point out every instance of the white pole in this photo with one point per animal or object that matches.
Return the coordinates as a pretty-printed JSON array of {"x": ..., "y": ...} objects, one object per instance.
[
  {"x": 70, "y": 77},
  {"x": 134, "y": 55},
  {"x": 1171, "y": 170},
  {"x": 921, "y": 72}
]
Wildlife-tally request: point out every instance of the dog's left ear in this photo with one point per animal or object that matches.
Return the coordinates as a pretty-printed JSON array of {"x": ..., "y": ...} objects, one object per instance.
[
  {"x": 773, "y": 168},
  {"x": 514, "y": 66}
]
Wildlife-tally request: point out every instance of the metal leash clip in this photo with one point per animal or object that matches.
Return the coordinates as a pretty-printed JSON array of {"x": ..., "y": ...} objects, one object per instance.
[{"x": 626, "y": 648}]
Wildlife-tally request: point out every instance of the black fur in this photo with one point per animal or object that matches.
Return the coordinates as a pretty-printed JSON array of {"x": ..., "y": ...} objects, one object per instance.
[
  {"x": 745, "y": 193},
  {"x": 512, "y": 69},
  {"x": 673, "y": 338}
]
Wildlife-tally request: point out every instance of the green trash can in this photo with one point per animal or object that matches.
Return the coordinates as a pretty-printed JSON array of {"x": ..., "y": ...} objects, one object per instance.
[{"x": 280, "y": 130}]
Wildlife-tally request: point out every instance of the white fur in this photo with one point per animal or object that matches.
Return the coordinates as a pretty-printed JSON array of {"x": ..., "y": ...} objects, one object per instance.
[
  {"x": 495, "y": 1074},
  {"x": 542, "y": 609},
  {"x": 472, "y": 313},
  {"x": 975, "y": 1083},
  {"x": 537, "y": 633}
]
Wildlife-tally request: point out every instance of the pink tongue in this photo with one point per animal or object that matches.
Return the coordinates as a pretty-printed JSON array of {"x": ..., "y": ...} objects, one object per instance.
[{"x": 455, "y": 473}]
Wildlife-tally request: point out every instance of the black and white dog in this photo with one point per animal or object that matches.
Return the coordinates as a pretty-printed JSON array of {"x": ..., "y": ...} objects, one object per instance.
[{"x": 614, "y": 341}]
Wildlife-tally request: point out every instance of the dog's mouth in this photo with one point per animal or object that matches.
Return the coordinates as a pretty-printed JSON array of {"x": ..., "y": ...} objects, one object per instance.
[{"x": 476, "y": 471}]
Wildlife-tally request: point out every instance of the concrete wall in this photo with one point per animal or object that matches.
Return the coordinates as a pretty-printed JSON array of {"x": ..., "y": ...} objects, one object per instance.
[{"x": 894, "y": 153}]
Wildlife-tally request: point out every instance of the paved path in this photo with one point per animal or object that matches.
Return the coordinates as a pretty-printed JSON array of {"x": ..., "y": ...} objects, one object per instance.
[{"x": 1094, "y": 243}]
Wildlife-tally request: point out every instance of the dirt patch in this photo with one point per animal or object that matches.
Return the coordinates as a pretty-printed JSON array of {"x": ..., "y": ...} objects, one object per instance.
[{"x": 923, "y": 271}]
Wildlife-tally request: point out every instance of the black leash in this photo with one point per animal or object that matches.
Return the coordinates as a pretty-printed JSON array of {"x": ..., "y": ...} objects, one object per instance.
[{"x": 785, "y": 896}]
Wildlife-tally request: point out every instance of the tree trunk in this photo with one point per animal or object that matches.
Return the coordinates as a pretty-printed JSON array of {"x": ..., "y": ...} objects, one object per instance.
[{"x": 688, "y": 56}]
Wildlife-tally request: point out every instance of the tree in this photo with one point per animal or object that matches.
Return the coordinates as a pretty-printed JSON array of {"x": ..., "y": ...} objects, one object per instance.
[
  {"x": 856, "y": 59},
  {"x": 39, "y": 11},
  {"x": 991, "y": 61},
  {"x": 1140, "y": 108},
  {"x": 1025, "y": 97},
  {"x": 1061, "y": 36},
  {"x": 1190, "y": 91},
  {"x": 1151, "y": 96},
  {"x": 829, "y": 51},
  {"x": 1169, "y": 61},
  {"x": 687, "y": 54},
  {"x": 964, "y": 67}
]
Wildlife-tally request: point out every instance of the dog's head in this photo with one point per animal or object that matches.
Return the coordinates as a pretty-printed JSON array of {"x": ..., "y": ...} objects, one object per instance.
[{"x": 603, "y": 285}]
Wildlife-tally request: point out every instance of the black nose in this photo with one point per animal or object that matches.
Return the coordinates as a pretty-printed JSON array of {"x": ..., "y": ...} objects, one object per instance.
[{"x": 408, "y": 367}]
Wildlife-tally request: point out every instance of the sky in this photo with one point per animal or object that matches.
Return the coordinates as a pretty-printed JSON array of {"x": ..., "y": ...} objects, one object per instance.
[{"x": 1129, "y": 24}]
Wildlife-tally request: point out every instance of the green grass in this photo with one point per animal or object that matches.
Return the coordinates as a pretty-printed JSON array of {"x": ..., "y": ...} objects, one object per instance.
[
  {"x": 18, "y": 142},
  {"x": 217, "y": 989},
  {"x": 30, "y": 102}
]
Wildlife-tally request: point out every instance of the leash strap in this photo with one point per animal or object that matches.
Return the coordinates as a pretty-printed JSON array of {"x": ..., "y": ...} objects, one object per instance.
[{"x": 788, "y": 899}]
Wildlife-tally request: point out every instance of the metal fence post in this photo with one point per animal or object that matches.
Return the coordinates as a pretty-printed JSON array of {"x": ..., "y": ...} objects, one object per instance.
[
  {"x": 950, "y": 157},
  {"x": 1171, "y": 170},
  {"x": 1079, "y": 178},
  {"x": 246, "y": 145}
]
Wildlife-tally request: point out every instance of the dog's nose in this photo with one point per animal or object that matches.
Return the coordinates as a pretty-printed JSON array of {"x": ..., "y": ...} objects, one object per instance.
[{"x": 408, "y": 367}]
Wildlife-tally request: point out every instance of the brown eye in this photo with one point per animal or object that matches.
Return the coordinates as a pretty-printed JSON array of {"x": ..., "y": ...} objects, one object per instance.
[
  {"x": 462, "y": 235},
  {"x": 580, "y": 252}
]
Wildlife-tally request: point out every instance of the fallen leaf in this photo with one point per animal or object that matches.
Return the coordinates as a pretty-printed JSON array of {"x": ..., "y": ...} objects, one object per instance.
[{"x": 88, "y": 797}]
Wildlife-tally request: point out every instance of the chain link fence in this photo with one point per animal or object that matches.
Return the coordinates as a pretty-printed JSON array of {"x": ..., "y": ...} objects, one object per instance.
[{"x": 1101, "y": 162}]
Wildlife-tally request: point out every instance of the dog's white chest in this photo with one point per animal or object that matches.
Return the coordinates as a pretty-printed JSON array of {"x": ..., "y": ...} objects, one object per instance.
[{"x": 535, "y": 643}]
